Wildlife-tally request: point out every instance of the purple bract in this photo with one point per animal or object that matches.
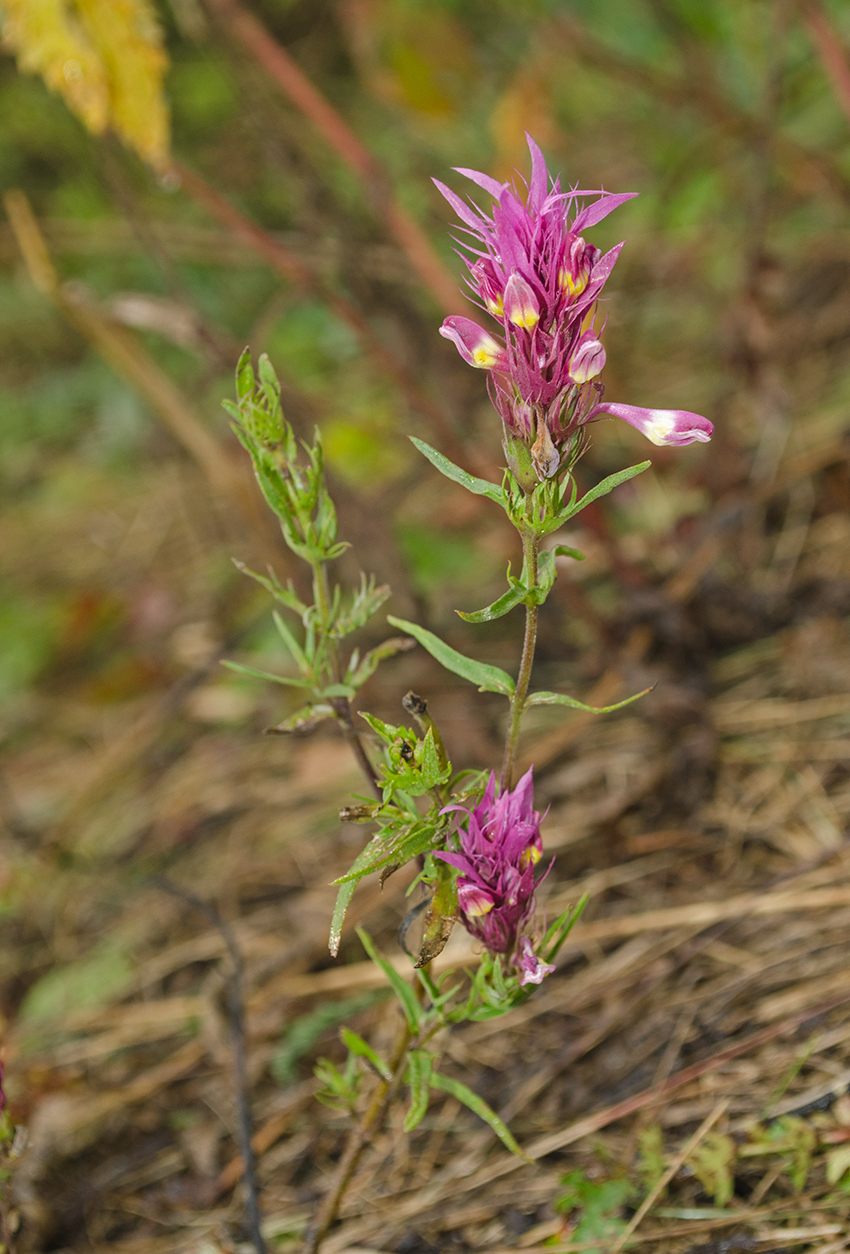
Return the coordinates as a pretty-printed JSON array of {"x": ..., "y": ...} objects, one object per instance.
[
  {"x": 531, "y": 269},
  {"x": 500, "y": 846}
]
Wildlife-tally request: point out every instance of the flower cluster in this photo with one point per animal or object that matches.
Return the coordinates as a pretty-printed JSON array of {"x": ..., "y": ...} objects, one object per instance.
[
  {"x": 531, "y": 269},
  {"x": 500, "y": 846}
]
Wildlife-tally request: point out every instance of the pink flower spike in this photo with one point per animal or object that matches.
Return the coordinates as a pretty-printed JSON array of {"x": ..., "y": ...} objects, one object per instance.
[
  {"x": 522, "y": 307},
  {"x": 588, "y": 360},
  {"x": 474, "y": 344},
  {"x": 662, "y": 426},
  {"x": 533, "y": 970}
]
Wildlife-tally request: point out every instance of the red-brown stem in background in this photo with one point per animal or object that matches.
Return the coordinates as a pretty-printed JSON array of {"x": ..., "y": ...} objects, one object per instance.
[
  {"x": 296, "y": 271},
  {"x": 834, "y": 57},
  {"x": 292, "y": 80}
]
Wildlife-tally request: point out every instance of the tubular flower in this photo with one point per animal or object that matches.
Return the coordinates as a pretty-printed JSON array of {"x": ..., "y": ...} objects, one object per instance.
[
  {"x": 500, "y": 846},
  {"x": 531, "y": 269}
]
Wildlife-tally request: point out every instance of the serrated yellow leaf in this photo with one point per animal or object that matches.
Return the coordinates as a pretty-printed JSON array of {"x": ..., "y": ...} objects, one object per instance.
[{"x": 105, "y": 57}]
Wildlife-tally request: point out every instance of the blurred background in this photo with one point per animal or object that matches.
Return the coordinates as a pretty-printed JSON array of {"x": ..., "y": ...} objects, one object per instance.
[{"x": 186, "y": 177}]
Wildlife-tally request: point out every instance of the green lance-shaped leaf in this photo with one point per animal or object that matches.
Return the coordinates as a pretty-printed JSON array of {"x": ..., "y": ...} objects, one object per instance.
[
  {"x": 302, "y": 721},
  {"x": 343, "y": 901},
  {"x": 560, "y": 698},
  {"x": 514, "y": 596},
  {"x": 418, "y": 1076},
  {"x": 360, "y": 670},
  {"x": 558, "y": 931},
  {"x": 244, "y": 375},
  {"x": 400, "y": 846},
  {"x": 275, "y": 679},
  {"x": 412, "y": 1010},
  {"x": 601, "y": 489},
  {"x": 297, "y": 653},
  {"x": 481, "y": 487},
  {"x": 479, "y": 1107},
  {"x": 487, "y": 678},
  {"x": 287, "y": 596},
  {"x": 364, "y": 1050}
]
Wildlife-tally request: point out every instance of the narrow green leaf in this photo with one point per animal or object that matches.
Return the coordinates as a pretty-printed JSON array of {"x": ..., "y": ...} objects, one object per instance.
[
  {"x": 488, "y": 678},
  {"x": 244, "y": 375},
  {"x": 343, "y": 901},
  {"x": 481, "y": 487},
  {"x": 336, "y": 690},
  {"x": 560, "y": 698},
  {"x": 275, "y": 679},
  {"x": 601, "y": 489},
  {"x": 418, "y": 1076},
  {"x": 287, "y": 596},
  {"x": 359, "y": 672},
  {"x": 503, "y": 605},
  {"x": 564, "y": 550},
  {"x": 405, "y": 844},
  {"x": 303, "y": 720},
  {"x": 558, "y": 931},
  {"x": 364, "y": 1050},
  {"x": 297, "y": 653},
  {"x": 479, "y": 1107},
  {"x": 404, "y": 992}
]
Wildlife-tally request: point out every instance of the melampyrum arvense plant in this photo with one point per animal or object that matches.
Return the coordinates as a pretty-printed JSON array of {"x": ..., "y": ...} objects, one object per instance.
[{"x": 475, "y": 835}]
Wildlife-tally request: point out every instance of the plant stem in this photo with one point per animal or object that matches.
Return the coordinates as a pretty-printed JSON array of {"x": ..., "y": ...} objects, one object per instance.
[
  {"x": 341, "y": 705},
  {"x": 530, "y": 546},
  {"x": 361, "y": 1135}
]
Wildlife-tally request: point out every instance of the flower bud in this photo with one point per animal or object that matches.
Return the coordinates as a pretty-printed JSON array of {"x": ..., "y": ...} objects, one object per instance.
[
  {"x": 472, "y": 900},
  {"x": 544, "y": 455},
  {"x": 530, "y": 857},
  {"x": 518, "y": 457},
  {"x": 574, "y": 275},
  {"x": 588, "y": 360},
  {"x": 488, "y": 286},
  {"x": 474, "y": 344},
  {"x": 522, "y": 307}
]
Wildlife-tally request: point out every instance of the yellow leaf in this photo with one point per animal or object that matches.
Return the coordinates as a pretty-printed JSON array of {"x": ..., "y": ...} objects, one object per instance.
[
  {"x": 47, "y": 39},
  {"x": 105, "y": 57},
  {"x": 127, "y": 36}
]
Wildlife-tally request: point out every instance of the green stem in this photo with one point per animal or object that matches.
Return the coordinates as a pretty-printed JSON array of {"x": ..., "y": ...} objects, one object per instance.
[
  {"x": 322, "y": 599},
  {"x": 341, "y": 705},
  {"x": 530, "y": 546},
  {"x": 360, "y": 1136}
]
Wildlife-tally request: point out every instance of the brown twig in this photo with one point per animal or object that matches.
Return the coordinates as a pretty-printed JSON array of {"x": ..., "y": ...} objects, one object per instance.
[
  {"x": 705, "y": 1127},
  {"x": 358, "y": 1140},
  {"x": 833, "y": 55},
  {"x": 304, "y": 94}
]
